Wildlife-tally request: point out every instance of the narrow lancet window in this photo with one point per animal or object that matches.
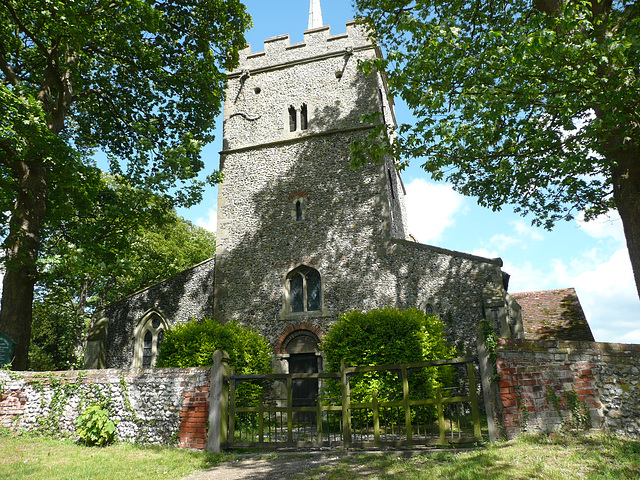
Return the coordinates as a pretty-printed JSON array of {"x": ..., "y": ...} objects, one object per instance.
[
  {"x": 393, "y": 194},
  {"x": 303, "y": 117},
  {"x": 298, "y": 211},
  {"x": 292, "y": 119}
]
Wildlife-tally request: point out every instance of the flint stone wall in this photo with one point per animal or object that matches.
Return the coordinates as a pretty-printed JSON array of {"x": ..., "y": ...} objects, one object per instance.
[
  {"x": 605, "y": 377},
  {"x": 186, "y": 295},
  {"x": 167, "y": 406}
]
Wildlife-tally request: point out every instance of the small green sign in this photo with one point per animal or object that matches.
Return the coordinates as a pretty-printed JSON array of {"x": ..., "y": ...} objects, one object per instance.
[{"x": 6, "y": 349}]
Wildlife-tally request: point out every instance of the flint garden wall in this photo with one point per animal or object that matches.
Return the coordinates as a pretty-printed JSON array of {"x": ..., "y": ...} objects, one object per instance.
[{"x": 547, "y": 385}]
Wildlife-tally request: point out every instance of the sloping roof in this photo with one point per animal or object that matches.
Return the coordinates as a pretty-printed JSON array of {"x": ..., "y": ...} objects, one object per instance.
[{"x": 553, "y": 314}]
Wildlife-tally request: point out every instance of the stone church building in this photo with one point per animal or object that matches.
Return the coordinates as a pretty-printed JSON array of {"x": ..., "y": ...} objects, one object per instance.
[{"x": 302, "y": 237}]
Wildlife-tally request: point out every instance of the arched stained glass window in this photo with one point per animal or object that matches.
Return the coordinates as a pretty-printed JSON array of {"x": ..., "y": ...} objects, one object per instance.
[
  {"x": 296, "y": 292},
  {"x": 146, "y": 349},
  {"x": 148, "y": 338},
  {"x": 305, "y": 290},
  {"x": 313, "y": 291}
]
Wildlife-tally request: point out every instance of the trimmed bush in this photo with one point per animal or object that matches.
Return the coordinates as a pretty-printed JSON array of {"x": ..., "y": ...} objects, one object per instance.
[
  {"x": 387, "y": 336},
  {"x": 192, "y": 344}
]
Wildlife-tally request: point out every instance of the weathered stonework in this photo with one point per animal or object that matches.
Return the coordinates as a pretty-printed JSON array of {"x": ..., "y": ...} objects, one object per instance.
[
  {"x": 178, "y": 299},
  {"x": 160, "y": 406},
  {"x": 290, "y": 200},
  {"x": 604, "y": 376}
]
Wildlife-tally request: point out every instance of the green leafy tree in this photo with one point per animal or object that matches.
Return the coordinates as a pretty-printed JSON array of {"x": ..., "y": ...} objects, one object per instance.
[
  {"x": 387, "y": 336},
  {"x": 531, "y": 103},
  {"x": 87, "y": 263},
  {"x": 141, "y": 79}
]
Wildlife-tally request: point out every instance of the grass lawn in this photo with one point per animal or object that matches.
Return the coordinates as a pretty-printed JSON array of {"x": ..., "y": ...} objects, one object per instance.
[
  {"x": 564, "y": 457},
  {"x": 31, "y": 457}
]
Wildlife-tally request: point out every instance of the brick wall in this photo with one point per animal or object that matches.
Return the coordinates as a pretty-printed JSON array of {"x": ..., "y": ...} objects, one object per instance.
[
  {"x": 154, "y": 406},
  {"x": 535, "y": 377}
]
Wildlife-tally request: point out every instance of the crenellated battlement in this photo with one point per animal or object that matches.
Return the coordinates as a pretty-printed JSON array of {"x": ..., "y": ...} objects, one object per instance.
[{"x": 317, "y": 42}]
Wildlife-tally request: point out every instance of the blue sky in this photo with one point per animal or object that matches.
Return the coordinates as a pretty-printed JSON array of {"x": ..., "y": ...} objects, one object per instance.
[{"x": 590, "y": 257}]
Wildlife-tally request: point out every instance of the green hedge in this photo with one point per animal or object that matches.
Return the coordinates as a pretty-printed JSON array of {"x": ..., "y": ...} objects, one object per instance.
[
  {"x": 192, "y": 344},
  {"x": 387, "y": 336}
]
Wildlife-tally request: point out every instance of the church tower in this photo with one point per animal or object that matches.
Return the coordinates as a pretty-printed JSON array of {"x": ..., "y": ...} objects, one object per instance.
[
  {"x": 302, "y": 237},
  {"x": 298, "y": 228}
]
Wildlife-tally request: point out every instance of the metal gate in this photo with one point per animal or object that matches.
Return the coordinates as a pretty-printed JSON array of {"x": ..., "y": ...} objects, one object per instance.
[{"x": 264, "y": 411}]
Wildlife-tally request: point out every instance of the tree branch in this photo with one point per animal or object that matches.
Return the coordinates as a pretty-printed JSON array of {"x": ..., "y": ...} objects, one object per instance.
[
  {"x": 6, "y": 68},
  {"x": 23, "y": 27}
]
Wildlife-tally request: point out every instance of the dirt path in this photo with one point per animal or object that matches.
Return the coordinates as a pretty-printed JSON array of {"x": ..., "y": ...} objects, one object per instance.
[
  {"x": 269, "y": 466},
  {"x": 293, "y": 465}
]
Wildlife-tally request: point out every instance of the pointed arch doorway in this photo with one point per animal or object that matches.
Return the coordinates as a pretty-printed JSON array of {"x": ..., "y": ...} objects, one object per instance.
[{"x": 303, "y": 357}]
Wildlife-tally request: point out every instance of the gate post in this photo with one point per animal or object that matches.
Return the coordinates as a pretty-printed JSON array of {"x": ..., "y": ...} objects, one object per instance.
[
  {"x": 218, "y": 402},
  {"x": 346, "y": 404},
  {"x": 489, "y": 389}
]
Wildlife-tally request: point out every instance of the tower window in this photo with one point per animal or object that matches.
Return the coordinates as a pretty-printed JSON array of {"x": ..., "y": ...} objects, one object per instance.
[
  {"x": 292, "y": 119},
  {"x": 393, "y": 194},
  {"x": 303, "y": 117},
  {"x": 298, "y": 211},
  {"x": 304, "y": 287},
  {"x": 298, "y": 206}
]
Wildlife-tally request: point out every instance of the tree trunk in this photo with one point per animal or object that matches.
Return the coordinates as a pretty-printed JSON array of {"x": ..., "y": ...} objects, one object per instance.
[
  {"x": 626, "y": 192},
  {"x": 23, "y": 244}
]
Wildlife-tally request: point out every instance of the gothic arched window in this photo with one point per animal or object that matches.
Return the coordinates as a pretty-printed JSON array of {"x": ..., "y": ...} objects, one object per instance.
[
  {"x": 304, "y": 288},
  {"x": 148, "y": 337}
]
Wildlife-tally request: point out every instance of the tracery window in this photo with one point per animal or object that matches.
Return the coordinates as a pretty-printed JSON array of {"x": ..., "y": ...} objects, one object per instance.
[
  {"x": 304, "y": 287},
  {"x": 148, "y": 337}
]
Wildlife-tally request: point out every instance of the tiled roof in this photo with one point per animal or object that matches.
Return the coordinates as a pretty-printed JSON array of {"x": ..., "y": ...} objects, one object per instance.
[{"x": 553, "y": 314}]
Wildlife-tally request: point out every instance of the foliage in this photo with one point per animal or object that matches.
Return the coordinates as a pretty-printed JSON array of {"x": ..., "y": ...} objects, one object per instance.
[
  {"x": 491, "y": 344},
  {"x": 95, "y": 428},
  {"x": 518, "y": 102},
  {"x": 579, "y": 418},
  {"x": 192, "y": 344},
  {"x": 90, "y": 261},
  {"x": 387, "y": 336},
  {"x": 143, "y": 81}
]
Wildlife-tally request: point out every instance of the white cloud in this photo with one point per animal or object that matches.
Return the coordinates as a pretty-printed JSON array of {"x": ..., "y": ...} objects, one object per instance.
[
  {"x": 210, "y": 222},
  {"x": 525, "y": 230},
  {"x": 502, "y": 241},
  {"x": 603, "y": 226},
  {"x": 483, "y": 252},
  {"x": 431, "y": 208},
  {"x": 523, "y": 234}
]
